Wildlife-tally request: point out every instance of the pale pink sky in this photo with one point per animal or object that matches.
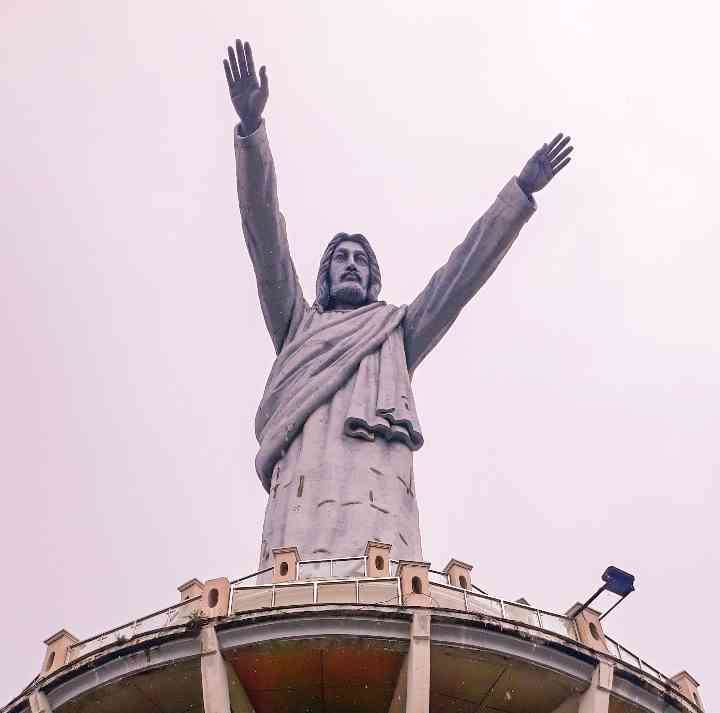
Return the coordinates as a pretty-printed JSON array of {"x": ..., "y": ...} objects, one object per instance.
[{"x": 575, "y": 404}]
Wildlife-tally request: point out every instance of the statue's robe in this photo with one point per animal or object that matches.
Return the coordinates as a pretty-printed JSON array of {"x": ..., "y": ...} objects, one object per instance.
[{"x": 337, "y": 424}]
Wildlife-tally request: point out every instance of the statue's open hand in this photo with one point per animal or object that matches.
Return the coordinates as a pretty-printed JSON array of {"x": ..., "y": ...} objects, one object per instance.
[
  {"x": 544, "y": 164},
  {"x": 247, "y": 94}
]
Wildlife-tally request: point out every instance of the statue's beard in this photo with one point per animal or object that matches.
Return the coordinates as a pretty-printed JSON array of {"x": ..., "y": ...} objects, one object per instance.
[{"x": 350, "y": 293}]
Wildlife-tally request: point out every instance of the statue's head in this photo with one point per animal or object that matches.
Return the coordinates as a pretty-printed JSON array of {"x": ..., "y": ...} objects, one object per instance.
[{"x": 349, "y": 273}]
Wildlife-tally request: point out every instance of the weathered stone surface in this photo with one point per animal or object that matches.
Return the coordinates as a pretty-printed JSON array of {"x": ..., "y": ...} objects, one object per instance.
[{"x": 337, "y": 425}]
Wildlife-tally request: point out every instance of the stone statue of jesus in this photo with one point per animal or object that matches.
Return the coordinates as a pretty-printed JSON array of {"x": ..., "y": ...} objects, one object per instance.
[{"x": 337, "y": 424}]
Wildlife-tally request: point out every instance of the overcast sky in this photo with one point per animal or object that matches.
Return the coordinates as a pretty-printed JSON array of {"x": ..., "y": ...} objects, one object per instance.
[{"x": 570, "y": 415}]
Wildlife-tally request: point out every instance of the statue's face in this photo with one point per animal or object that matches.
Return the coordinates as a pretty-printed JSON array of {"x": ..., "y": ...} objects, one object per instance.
[{"x": 349, "y": 274}]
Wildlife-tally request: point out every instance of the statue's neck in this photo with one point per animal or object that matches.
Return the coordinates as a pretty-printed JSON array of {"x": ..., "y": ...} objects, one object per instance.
[{"x": 339, "y": 306}]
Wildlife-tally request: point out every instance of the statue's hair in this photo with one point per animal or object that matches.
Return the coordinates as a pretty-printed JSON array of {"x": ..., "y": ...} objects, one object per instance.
[{"x": 322, "y": 287}]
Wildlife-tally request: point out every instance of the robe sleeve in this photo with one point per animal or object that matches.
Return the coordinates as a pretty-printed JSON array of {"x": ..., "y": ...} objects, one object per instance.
[
  {"x": 263, "y": 225},
  {"x": 470, "y": 264}
]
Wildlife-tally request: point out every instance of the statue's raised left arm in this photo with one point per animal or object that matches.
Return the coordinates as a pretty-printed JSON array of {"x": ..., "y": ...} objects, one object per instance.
[{"x": 473, "y": 261}]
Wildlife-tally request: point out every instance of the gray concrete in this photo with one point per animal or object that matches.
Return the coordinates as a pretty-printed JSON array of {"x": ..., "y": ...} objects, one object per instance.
[
  {"x": 153, "y": 654},
  {"x": 222, "y": 690},
  {"x": 216, "y": 692},
  {"x": 450, "y": 630},
  {"x": 418, "y": 664},
  {"x": 39, "y": 703},
  {"x": 596, "y": 699},
  {"x": 337, "y": 424}
]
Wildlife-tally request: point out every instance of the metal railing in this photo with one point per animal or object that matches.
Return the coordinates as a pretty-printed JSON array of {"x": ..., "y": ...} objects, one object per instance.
[
  {"x": 339, "y": 590},
  {"x": 347, "y": 567},
  {"x": 345, "y": 580},
  {"x": 447, "y": 596},
  {"x": 174, "y": 615},
  {"x": 251, "y": 576},
  {"x": 631, "y": 659},
  {"x": 319, "y": 585}
]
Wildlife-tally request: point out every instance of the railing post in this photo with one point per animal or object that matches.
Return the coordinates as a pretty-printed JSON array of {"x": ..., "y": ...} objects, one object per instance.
[
  {"x": 415, "y": 583},
  {"x": 190, "y": 589},
  {"x": 215, "y": 597},
  {"x": 230, "y": 600},
  {"x": 590, "y": 631},
  {"x": 58, "y": 652},
  {"x": 688, "y": 686},
  {"x": 286, "y": 564},
  {"x": 377, "y": 559},
  {"x": 457, "y": 574}
]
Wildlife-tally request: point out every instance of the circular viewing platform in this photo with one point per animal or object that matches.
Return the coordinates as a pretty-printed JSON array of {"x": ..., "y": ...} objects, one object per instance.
[{"x": 354, "y": 634}]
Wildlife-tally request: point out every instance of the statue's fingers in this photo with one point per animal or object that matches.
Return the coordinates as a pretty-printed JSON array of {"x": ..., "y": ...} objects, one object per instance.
[
  {"x": 558, "y": 148},
  {"x": 553, "y": 143},
  {"x": 228, "y": 73},
  {"x": 559, "y": 168},
  {"x": 559, "y": 157},
  {"x": 264, "y": 81},
  {"x": 241, "y": 58},
  {"x": 250, "y": 61},
  {"x": 233, "y": 64}
]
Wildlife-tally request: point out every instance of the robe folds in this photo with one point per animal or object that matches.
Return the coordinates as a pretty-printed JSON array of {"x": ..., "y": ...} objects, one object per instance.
[
  {"x": 366, "y": 343},
  {"x": 337, "y": 424}
]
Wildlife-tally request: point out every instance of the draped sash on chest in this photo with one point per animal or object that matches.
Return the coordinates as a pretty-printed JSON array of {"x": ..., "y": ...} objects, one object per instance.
[{"x": 324, "y": 353}]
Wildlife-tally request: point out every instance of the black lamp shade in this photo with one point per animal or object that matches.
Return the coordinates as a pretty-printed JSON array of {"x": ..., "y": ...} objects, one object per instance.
[{"x": 618, "y": 582}]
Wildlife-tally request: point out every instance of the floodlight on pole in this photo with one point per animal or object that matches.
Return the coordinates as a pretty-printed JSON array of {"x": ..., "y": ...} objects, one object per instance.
[{"x": 616, "y": 581}]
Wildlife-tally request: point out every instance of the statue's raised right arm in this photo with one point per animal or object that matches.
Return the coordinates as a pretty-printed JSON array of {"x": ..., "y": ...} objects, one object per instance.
[
  {"x": 280, "y": 294},
  {"x": 472, "y": 262}
]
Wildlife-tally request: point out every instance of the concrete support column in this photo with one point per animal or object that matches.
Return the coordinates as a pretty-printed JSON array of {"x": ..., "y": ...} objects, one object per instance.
[
  {"x": 418, "y": 665},
  {"x": 39, "y": 702},
  {"x": 216, "y": 693},
  {"x": 595, "y": 699},
  {"x": 412, "y": 690},
  {"x": 222, "y": 690}
]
